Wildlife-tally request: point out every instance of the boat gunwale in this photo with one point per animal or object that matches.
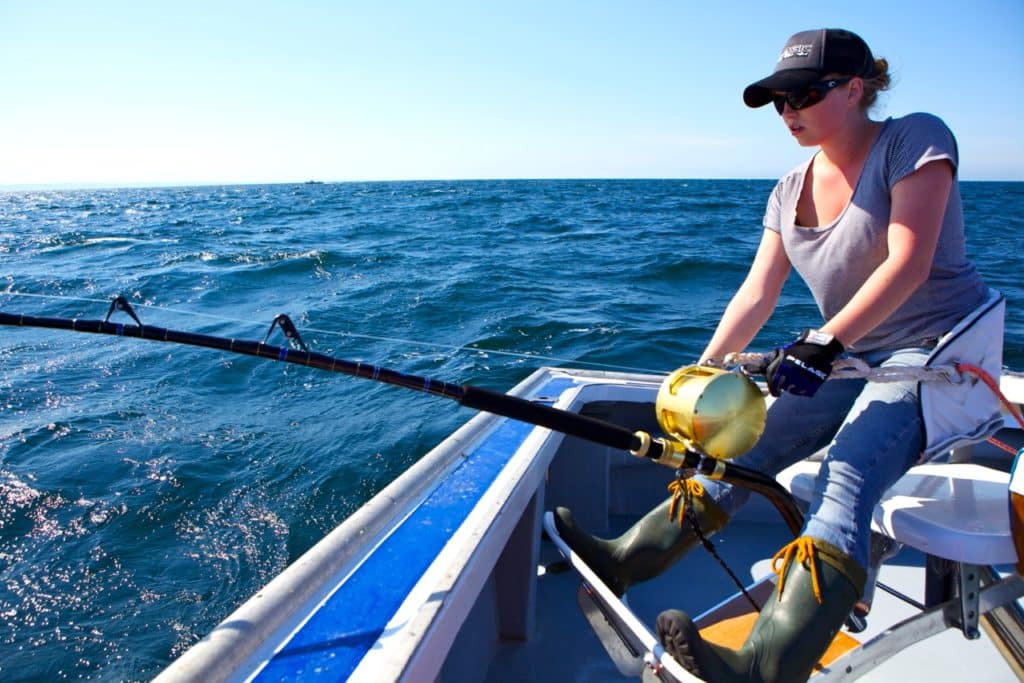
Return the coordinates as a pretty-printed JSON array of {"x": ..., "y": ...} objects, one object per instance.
[
  {"x": 236, "y": 648},
  {"x": 470, "y": 556}
]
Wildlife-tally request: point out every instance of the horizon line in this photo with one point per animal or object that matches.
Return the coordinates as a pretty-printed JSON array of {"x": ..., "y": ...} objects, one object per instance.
[{"x": 113, "y": 185}]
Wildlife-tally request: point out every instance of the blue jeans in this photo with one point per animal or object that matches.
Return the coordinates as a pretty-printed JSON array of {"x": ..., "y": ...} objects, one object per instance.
[{"x": 873, "y": 434}]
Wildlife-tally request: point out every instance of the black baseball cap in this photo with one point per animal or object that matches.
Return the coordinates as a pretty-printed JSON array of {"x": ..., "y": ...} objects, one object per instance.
[{"x": 808, "y": 57}]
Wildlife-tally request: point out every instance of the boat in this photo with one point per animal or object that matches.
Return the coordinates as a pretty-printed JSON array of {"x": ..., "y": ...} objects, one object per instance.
[{"x": 451, "y": 574}]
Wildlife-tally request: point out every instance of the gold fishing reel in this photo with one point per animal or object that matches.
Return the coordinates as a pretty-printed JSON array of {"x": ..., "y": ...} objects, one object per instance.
[{"x": 716, "y": 412}]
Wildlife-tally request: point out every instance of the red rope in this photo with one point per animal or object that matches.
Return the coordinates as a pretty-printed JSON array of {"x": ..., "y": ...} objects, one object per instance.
[
  {"x": 1002, "y": 445},
  {"x": 994, "y": 386}
]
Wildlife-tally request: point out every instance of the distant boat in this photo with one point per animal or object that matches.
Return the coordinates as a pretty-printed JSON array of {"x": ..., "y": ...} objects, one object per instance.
[{"x": 314, "y": 182}]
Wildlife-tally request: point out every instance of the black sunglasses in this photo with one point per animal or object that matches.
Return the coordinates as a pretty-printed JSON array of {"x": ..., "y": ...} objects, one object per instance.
[{"x": 807, "y": 96}]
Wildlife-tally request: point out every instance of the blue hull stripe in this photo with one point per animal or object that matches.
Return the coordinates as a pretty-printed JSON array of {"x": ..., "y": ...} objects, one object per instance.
[{"x": 334, "y": 640}]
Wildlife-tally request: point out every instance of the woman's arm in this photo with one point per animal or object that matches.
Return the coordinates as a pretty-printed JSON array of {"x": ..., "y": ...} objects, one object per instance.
[
  {"x": 754, "y": 301},
  {"x": 918, "y": 206}
]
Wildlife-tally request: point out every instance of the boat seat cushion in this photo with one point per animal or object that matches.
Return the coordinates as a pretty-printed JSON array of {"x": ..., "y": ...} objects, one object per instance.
[{"x": 955, "y": 511}]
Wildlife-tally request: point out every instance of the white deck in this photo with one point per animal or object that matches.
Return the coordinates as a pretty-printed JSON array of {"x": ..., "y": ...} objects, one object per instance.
[
  {"x": 953, "y": 511},
  {"x": 565, "y": 648}
]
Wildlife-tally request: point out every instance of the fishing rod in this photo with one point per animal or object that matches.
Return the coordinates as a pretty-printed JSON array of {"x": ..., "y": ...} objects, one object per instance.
[
  {"x": 664, "y": 451},
  {"x": 529, "y": 355}
]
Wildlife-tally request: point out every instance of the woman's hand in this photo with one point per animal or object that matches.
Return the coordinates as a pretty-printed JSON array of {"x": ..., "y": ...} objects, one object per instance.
[{"x": 802, "y": 366}]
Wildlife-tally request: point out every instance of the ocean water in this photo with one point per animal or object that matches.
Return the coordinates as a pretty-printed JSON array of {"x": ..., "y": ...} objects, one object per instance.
[{"x": 147, "y": 489}]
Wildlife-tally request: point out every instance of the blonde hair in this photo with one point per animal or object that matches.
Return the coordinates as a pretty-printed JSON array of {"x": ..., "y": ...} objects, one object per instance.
[{"x": 876, "y": 84}]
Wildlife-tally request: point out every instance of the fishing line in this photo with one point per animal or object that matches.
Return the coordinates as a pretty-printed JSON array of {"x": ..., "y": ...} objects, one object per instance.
[{"x": 357, "y": 335}]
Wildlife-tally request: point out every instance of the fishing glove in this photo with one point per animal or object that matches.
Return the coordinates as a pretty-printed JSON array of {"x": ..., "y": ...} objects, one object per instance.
[{"x": 801, "y": 367}]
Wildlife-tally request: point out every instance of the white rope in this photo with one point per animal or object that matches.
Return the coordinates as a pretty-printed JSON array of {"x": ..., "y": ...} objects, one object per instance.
[
  {"x": 855, "y": 368},
  {"x": 848, "y": 368}
]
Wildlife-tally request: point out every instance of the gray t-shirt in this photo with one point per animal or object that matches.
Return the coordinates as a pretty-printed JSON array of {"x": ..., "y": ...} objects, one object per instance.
[{"x": 835, "y": 259}]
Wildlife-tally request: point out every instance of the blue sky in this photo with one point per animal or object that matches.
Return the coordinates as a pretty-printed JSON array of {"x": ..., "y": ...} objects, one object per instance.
[{"x": 138, "y": 93}]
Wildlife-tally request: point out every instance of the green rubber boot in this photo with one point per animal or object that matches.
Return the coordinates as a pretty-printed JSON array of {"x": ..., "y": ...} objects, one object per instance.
[
  {"x": 649, "y": 547},
  {"x": 809, "y": 605}
]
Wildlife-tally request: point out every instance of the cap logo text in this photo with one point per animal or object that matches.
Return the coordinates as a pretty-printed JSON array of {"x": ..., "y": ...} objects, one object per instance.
[{"x": 801, "y": 50}]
